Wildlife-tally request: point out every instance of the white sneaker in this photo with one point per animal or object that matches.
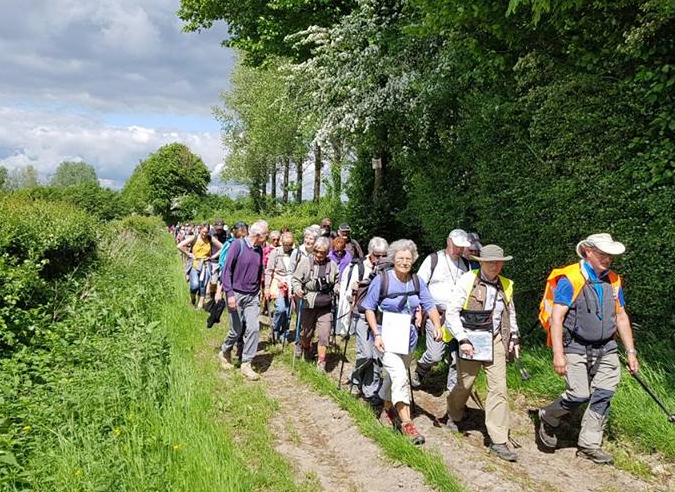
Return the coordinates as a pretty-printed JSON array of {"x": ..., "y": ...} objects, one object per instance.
[{"x": 247, "y": 371}]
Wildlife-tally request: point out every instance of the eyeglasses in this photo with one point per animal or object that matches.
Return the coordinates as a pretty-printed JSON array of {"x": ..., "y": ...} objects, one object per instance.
[
  {"x": 321, "y": 251},
  {"x": 380, "y": 255}
]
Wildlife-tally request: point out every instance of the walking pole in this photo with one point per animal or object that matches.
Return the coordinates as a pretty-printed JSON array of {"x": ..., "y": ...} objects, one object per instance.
[
  {"x": 412, "y": 395},
  {"x": 342, "y": 365},
  {"x": 297, "y": 331},
  {"x": 290, "y": 315},
  {"x": 671, "y": 417}
]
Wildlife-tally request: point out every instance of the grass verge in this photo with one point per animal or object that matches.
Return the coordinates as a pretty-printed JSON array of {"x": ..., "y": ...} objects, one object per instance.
[
  {"x": 132, "y": 399},
  {"x": 395, "y": 446}
]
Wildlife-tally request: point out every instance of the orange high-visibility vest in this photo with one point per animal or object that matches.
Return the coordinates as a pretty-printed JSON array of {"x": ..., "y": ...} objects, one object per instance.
[{"x": 576, "y": 277}]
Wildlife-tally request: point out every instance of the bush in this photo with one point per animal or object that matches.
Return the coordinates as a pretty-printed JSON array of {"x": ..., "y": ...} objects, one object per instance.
[{"x": 40, "y": 242}]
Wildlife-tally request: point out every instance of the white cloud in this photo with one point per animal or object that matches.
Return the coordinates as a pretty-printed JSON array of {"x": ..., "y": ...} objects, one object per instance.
[{"x": 44, "y": 139}]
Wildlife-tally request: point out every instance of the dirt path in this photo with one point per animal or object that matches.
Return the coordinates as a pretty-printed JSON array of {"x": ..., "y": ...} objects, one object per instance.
[
  {"x": 467, "y": 456},
  {"x": 321, "y": 439}
]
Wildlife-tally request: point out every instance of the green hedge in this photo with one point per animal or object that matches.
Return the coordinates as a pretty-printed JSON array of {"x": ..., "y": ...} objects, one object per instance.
[{"x": 40, "y": 242}]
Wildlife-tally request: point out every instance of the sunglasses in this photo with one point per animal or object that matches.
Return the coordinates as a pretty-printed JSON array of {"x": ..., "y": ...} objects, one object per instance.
[{"x": 383, "y": 255}]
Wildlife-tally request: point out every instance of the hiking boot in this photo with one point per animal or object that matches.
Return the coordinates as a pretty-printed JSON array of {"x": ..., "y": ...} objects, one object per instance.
[
  {"x": 451, "y": 425},
  {"x": 596, "y": 455},
  {"x": 389, "y": 417},
  {"x": 375, "y": 401},
  {"x": 503, "y": 452},
  {"x": 225, "y": 359},
  {"x": 547, "y": 432},
  {"x": 415, "y": 380},
  {"x": 248, "y": 372},
  {"x": 412, "y": 433},
  {"x": 321, "y": 365}
]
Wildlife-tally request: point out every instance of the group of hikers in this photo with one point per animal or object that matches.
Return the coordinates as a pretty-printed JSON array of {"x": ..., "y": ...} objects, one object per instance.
[{"x": 457, "y": 299}]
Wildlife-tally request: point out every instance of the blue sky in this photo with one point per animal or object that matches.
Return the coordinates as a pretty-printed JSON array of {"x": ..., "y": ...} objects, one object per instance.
[{"x": 108, "y": 82}]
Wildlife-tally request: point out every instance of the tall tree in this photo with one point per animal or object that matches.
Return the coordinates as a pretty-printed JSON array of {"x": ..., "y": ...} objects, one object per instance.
[
  {"x": 318, "y": 167},
  {"x": 22, "y": 177},
  {"x": 70, "y": 173},
  {"x": 164, "y": 179},
  {"x": 4, "y": 174}
]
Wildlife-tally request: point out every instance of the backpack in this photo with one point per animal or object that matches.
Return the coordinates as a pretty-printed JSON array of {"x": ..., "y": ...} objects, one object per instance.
[
  {"x": 383, "y": 270},
  {"x": 434, "y": 263}
]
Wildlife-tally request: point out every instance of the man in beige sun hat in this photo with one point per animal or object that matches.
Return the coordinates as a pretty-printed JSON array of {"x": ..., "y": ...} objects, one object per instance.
[
  {"x": 481, "y": 307},
  {"x": 583, "y": 309}
]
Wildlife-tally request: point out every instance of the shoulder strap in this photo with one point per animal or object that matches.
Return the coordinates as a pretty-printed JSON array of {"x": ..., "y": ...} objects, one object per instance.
[
  {"x": 434, "y": 263},
  {"x": 362, "y": 269},
  {"x": 416, "y": 284},
  {"x": 384, "y": 285}
]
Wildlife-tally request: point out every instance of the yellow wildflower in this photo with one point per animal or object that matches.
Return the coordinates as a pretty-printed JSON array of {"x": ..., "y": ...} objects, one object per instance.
[
  {"x": 117, "y": 431},
  {"x": 176, "y": 447},
  {"x": 27, "y": 429},
  {"x": 78, "y": 472}
]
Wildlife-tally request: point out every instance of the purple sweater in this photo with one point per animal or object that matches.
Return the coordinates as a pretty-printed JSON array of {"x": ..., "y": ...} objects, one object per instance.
[{"x": 243, "y": 269}]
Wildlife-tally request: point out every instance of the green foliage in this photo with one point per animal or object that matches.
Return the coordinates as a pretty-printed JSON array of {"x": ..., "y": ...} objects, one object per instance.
[
  {"x": 4, "y": 174},
  {"x": 102, "y": 203},
  {"x": 159, "y": 184},
  {"x": 70, "y": 173},
  {"x": 40, "y": 242},
  {"x": 22, "y": 177},
  {"x": 260, "y": 28}
]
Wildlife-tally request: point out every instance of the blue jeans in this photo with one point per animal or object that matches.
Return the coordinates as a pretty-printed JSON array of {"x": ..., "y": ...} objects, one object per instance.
[
  {"x": 282, "y": 316},
  {"x": 199, "y": 285}
]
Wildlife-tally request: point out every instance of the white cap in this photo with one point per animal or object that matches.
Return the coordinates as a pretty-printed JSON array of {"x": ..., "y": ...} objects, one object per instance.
[
  {"x": 459, "y": 238},
  {"x": 603, "y": 242}
]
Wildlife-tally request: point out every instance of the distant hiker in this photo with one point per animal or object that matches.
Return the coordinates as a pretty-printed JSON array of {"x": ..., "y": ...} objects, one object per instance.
[
  {"x": 481, "y": 308},
  {"x": 340, "y": 255},
  {"x": 200, "y": 249},
  {"x": 583, "y": 309},
  {"x": 309, "y": 237},
  {"x": 353, "y": 288},
  {"x": 441, "y": 271},
  {"x": 239, "y": 230},
  {"x": 220, "y": 231},
  {"x": 326, "y": 228},
  {"x": 396, "y": 294},
  {"x": 315, "y": 281},
  {"x": 352, "y": 245},
  {"x": 241, "y": 284},
  {"x": 473, "y": 249},
  {"x": 278, "y": 284}
]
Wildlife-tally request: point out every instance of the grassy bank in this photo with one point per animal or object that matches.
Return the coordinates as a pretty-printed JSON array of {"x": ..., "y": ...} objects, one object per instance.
[
  {"x": 395, "y": 445},
  {"x": 127, "y": 397}
]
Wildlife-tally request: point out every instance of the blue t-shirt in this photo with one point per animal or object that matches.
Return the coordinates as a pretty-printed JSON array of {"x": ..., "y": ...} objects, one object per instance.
[
  {"x": 223, "y": 252},
  {"x": 391, "y": 304},
  {"x": 564, "y": 290}
]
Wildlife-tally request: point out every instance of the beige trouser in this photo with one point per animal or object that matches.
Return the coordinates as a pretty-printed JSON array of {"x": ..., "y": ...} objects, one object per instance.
[{"x": 496, "y": 404}]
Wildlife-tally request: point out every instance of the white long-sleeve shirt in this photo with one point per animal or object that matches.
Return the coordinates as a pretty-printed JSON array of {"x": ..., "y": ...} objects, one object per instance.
[
  {"x": 453, "y": 321},
  {"x": 445, "y": 277},
  {"x": 351, "y": 275}
]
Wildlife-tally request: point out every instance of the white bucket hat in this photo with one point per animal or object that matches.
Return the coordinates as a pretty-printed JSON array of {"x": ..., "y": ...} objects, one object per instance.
[
  {"x": 603, "y": 242},
  {"x": 460, "y": 238}
]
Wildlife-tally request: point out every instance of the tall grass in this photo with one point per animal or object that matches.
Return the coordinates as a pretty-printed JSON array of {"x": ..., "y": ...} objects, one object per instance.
[{"x": 136, "y": 402}]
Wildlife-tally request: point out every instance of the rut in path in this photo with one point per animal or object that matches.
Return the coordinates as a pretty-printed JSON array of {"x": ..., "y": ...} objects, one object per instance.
[{"x": 322, "y": 439}]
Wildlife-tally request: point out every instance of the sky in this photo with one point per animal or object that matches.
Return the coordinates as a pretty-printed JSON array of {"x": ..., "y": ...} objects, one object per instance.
[{"x": 107, "y": 82}]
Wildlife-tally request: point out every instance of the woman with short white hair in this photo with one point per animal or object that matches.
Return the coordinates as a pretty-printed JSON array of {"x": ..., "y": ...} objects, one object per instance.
[{"x": 395, "y": 294}]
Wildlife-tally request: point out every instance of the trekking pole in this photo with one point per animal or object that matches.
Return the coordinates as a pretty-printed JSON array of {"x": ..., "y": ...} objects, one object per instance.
[
  {"x": 412, "y": 395},
  {"x": 297, "y": 331},
  {"x": 671, "y": 417},
  {"x": 521, "y": 368},
  {"x": 342, "y": 364}
]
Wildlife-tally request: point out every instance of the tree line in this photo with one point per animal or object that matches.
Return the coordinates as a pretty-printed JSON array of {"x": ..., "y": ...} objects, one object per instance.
[{"x": 535, "y": 123}]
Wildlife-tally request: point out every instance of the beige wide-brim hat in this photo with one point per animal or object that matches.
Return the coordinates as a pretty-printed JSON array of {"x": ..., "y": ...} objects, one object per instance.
[
  {"x": 603, "y": 242},
  {"x": 491, "y": 252}
]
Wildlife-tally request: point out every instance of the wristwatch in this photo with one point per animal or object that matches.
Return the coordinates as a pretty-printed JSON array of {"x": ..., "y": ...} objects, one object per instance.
[{"x": 631, "y": 351}]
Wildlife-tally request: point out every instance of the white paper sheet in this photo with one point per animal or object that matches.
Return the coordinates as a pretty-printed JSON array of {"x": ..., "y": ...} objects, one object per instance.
[
  {"x": 396, "y": 332},
  {"x": 482, "y": 345}
]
